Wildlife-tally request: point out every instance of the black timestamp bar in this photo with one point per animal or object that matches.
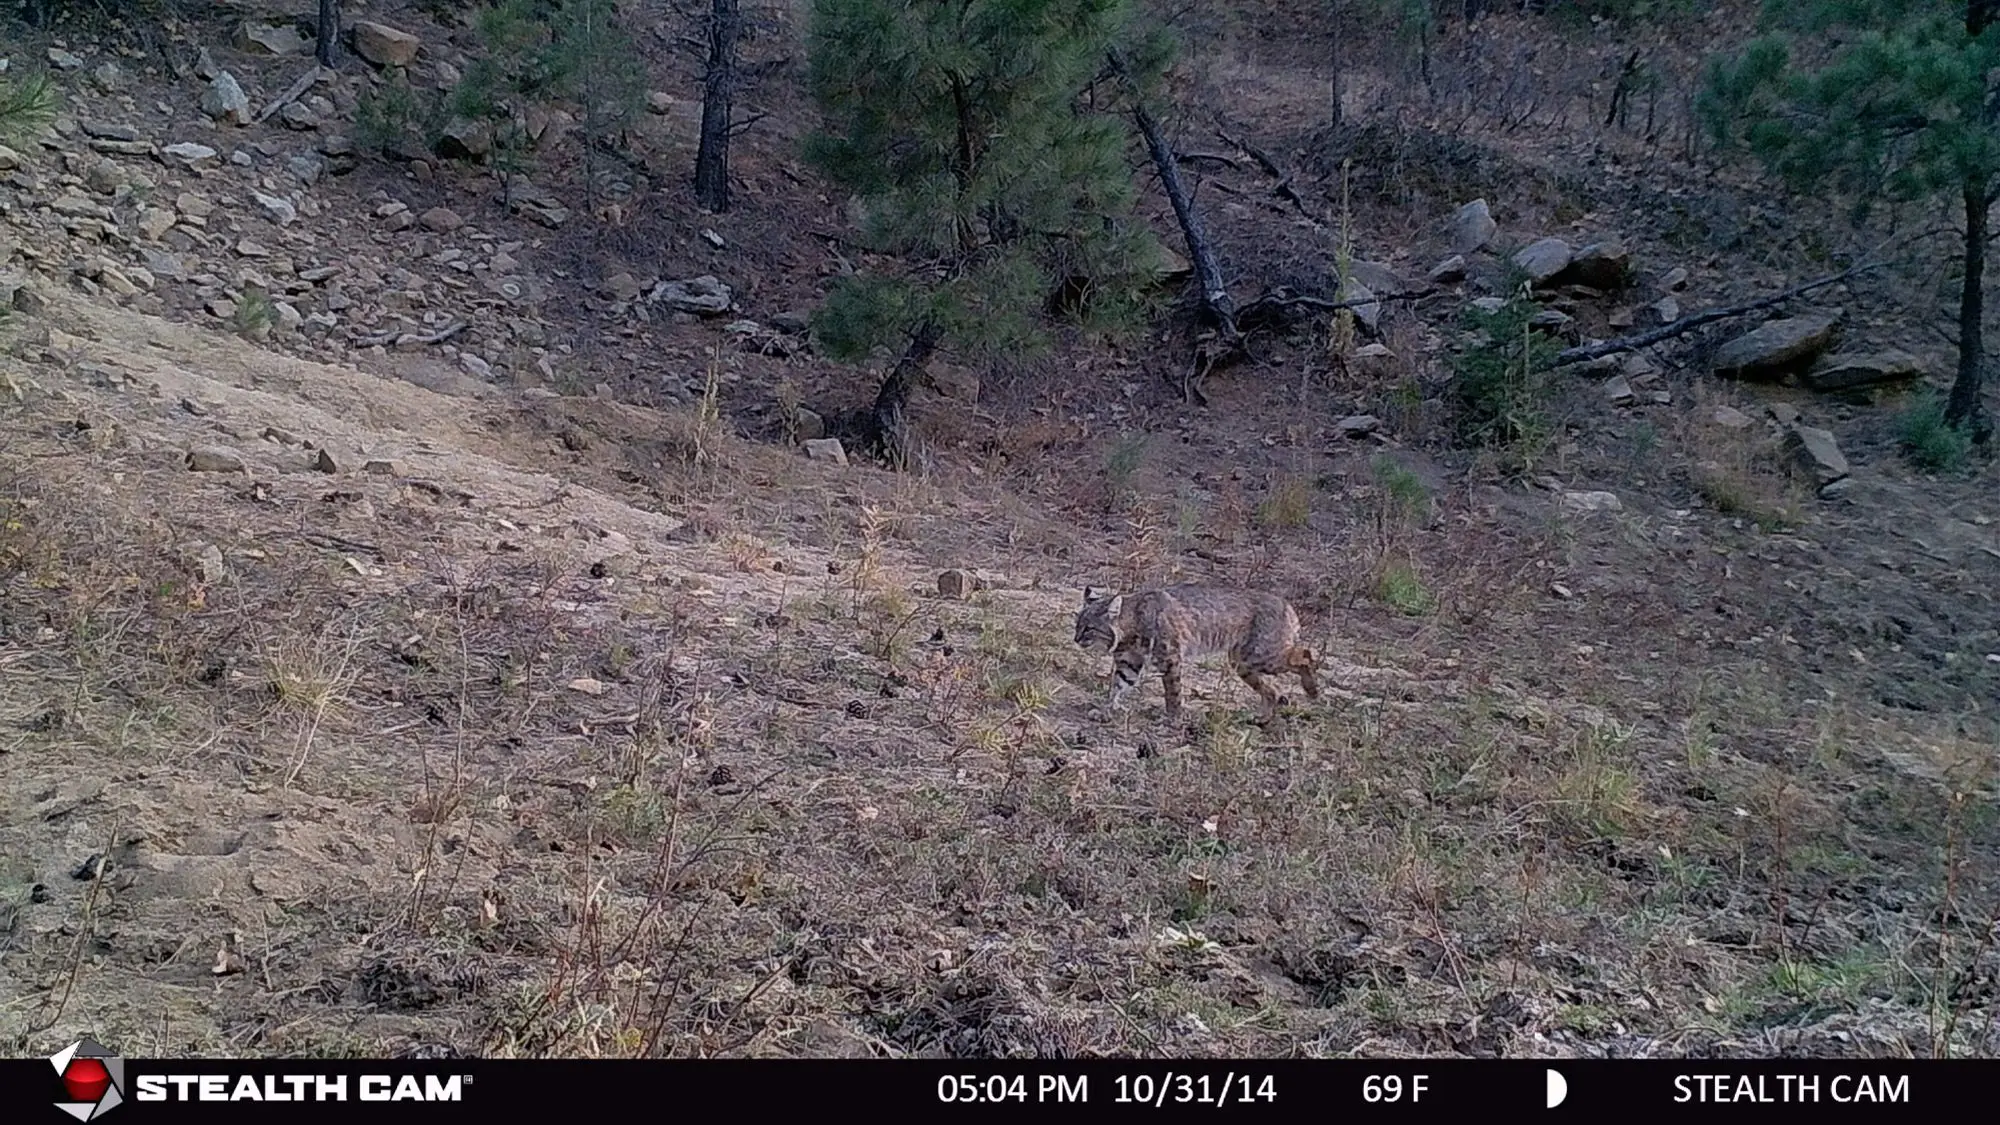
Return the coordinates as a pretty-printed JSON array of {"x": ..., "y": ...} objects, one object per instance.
[{"x": 156, "y": 1091}]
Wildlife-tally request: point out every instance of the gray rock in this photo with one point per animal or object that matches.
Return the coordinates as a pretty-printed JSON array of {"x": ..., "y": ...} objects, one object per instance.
[
  {"x": 225, "y": 100},
  {"x": 1777, "y": 346},
  {"x": 1605, "y": 265},
  {"x": 1730, "y": 418},
  {"x": 442, "y": 220},
  {"x": 297, "y": 115},
  {"x": 64, "y": 60},
  {"x": 465, "y": 139},
  {"x": 1472, "y": 227},
  {"x": 278, "y": 209},
  {"x": 384, "y": 45},
  {"x": 1543, "y": 259},
  {"x": 1591, "y": 502},
  {"x": 214, "y": 459},
  {"x": 1357, "y": 425},
  {"x": 1817, "y": 452},
  {"x": 1369, "y": 312},
  {"x": 1847, "y": 372},
  {"x": 1667, "y": 309},
  {"x": 108, "y": 77},
  {"x": 810, "y": 424},
  {"x": 1675, "y": 279},
  {"x": 254, "y": 37},
  {"x": 1619, "y": 390},
  {"x": 826, "y": 449},
  {"x": 1451, "y": 271},
  {"x": 9, "y": 159},
  {"x": 107, "y": 131},
  {"x": 188, "y": 155},
  {"x": 704, "y": 296}
]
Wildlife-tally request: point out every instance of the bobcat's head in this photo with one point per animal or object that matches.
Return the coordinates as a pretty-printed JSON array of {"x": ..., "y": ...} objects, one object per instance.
[{"x": 1097, "y": 621}]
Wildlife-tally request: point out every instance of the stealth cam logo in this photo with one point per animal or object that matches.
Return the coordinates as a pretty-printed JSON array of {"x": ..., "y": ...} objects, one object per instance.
[{"x": 93, "y": 1075}]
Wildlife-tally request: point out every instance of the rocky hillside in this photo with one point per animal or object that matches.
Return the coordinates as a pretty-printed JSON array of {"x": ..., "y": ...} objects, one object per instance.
[{"x": 429, "y": 625}]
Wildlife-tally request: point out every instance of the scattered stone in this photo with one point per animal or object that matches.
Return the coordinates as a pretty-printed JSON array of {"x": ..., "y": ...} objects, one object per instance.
[
  {"x": 959, "y": 584},
  {"x": 659, "y": 101},
  {"x": 204, "y": 65},
  {"x": 64, "y": 60},
  {"x": 1591, "y": 502},
  {"x": 443, "y": 220},
  {"x": 225, "y": 100},
  {"x": 1544, "y": 259},
  {"x": 1451, "y": 271},
  {"x": 104, "y": 178},
  {"x": 298, "y": 115},
  {"x": 277, "y": 209},
  {"x": 1369, "y": 311},
  {"x": 106, "y": 131},
  {"x": 384, "y": 45},
  {"x": 1555, "y": 322},
  {"x": 188, "y": 155},
  {"x": 1847, "y": 372},
  {"x": 1676, "y": 279},
  {"x": 1472, "y": 227},
  {"x": 208, "y": 560},
  {"x": 384, "y": 467},
  {"x": 826, "y": 449},
  {"x": 1605, "y": 265},
  {"x": 475, "y": 366},
  {"x": 704, "y": 296},
  {"x": 1667, "y": 309},
  {"x": 1357, "y": 425},
  {"x": 588, "y": 686},
  {"x": 251, "y": 248},
  {"x": 1817, "y": 451},
  {"x": 1836, "y": 490},
  {"x": 1619, "y": 390},
  {"x": 327, "y": 461},
  {"x": 1621, "y": 318},
  {"x": 465, "y": 139},
  {"x": 9, "y": 159},
  {"x": 306, "y": 167},
  {"x": 254, "y": 37},
  {"x": 1785, "y": 413},
  {"x": 1731, "y": 418},
  {"x": 809, "y": 424},
  {"x": 712, "y": 238},
  {"x": 214, "y": 459},
  {"x": 1489, "y": 305},
  {"x": 537, "y": 204},
  {"x": 1776, "y": 346}
]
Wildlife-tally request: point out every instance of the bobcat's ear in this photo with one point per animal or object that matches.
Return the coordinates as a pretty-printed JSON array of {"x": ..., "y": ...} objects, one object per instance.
[
  {"x": 1117, "y": 603},
  {"x": 1092, "y": 594}
]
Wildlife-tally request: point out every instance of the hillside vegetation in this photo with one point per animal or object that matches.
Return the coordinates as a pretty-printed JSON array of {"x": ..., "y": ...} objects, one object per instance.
[{"x": 449, "y": 606}]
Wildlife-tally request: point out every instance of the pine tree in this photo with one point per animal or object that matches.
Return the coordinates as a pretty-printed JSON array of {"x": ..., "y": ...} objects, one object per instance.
[
  {"x": 1896, "y": 97},
  {"x": 992, "y": 188}
]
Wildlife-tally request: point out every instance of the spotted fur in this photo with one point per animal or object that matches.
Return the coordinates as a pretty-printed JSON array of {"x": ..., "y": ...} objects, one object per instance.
[{"x": 1258, "y": 632}]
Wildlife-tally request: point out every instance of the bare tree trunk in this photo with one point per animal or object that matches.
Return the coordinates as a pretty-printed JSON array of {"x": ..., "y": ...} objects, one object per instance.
[
  {"x": 1964, "y": 409},
  {"x": 711, "y": 161},
  {"x": 890, "y": 417},
  {"x": 1207, "y": 271},
  {"x": 329, "y": 32}
]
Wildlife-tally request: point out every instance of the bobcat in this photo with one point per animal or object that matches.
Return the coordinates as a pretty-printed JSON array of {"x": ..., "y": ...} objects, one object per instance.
[{"x": 1259, "y": 632}]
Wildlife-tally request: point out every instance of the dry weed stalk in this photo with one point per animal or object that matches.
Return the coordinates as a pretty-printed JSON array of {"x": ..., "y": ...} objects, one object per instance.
[{"x": 1141, "y": 560}]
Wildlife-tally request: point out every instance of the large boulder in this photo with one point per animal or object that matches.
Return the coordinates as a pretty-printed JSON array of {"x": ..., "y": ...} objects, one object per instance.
[
  {"x": 384, "y": 45},
  {"x": 1776, "y": 347},
  {"x": 225, "y": 100},
  {"x": 1853, "y": 371},
  {"x": 1472, "y": 227},
  {"x": 1544, "y": 259},
  {"x": 1603, "y": 265}
]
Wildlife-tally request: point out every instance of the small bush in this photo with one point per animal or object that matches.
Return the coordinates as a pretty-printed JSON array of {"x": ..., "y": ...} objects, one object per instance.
[
  {"x": 27, "y": 104},
  {"x": 1502, "y": 378},
  {"x": 1288, "y": 505},
  {"x": 1930, "y": 442},
  {"x": 1402, "y": 590}
]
